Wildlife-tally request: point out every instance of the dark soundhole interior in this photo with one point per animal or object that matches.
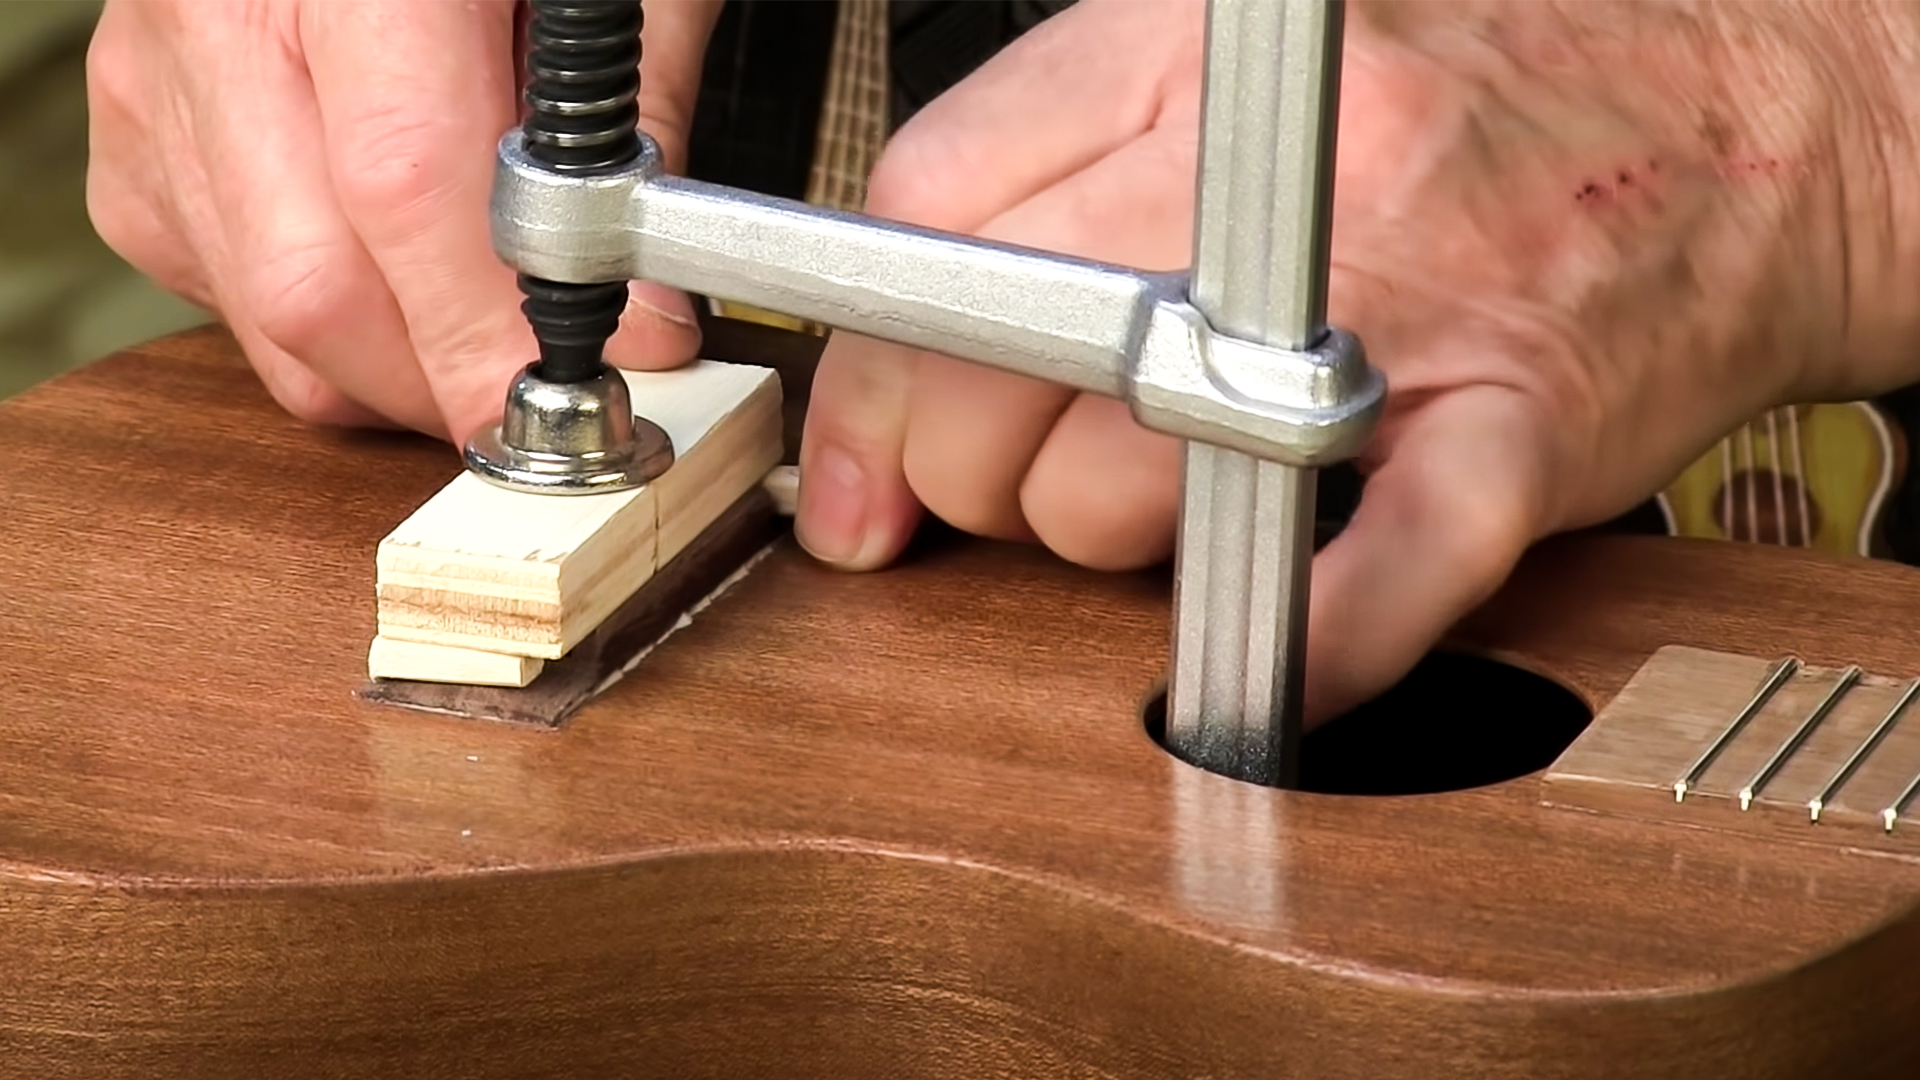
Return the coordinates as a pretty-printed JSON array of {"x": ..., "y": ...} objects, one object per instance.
[{"x": 1454, "y": 722}]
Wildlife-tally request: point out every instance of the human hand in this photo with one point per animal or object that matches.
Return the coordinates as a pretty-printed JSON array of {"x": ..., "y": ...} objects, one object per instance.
[
  {"x": 319, "y": 173},
  {"x": 1582, "y": 241}
]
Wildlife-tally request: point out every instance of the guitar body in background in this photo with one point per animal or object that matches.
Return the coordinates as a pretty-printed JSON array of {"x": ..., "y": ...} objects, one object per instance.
[{"x": 1813, "y": 476}]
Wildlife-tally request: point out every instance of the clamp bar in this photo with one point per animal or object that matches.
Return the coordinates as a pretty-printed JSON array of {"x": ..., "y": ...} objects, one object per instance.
[{"x": 1261, "y": 252}]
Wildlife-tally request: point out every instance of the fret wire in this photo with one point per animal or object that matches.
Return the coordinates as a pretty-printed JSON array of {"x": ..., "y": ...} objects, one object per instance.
[
  {"x": 1753, "y": 491},
  {"x": 1799, "y": 736},
  {"x": 1776, "y": 676},
  {"x": 1779, "y": 486},
  {"x": 1899, "y": 806},
  {"x": 1800, "y": 479},
  {"x": 1846, "y": 769}
]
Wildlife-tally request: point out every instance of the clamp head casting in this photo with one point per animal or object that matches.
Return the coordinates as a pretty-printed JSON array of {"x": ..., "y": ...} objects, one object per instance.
[{"x": 569, "y": 438}]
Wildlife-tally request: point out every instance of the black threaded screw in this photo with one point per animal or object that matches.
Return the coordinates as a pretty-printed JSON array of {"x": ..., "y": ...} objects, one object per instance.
[{"x": 583, "y": 87}]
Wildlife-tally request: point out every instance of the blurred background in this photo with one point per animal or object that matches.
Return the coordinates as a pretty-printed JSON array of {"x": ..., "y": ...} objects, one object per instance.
[{"x": 65, "y": 298}]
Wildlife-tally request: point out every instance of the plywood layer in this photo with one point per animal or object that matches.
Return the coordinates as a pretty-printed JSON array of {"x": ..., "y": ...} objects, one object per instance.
[{"x": 478, "y": 567}]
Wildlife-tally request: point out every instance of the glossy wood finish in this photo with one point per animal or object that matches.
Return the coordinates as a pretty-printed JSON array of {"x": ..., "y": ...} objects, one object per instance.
[{"x": 899, "y": 824}]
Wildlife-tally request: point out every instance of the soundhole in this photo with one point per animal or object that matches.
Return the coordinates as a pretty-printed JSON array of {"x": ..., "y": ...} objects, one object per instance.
[{"x": 1455, "y": 722}]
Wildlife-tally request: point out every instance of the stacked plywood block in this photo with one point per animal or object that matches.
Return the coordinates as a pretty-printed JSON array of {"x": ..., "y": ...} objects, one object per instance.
[{"x": 483, "y": 585}]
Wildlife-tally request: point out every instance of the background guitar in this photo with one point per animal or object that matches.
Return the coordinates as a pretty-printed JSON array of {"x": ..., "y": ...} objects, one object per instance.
[{"x": 1813, "y": 476}]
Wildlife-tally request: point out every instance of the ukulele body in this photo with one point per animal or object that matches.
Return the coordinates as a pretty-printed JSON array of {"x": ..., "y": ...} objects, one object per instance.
[
  {"x": 1812, "y": 476},
  {"x": 908, "y": 824}
]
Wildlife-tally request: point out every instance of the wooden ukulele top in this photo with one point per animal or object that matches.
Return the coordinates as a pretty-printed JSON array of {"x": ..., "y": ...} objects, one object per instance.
[{"x": 926, "y": 792}]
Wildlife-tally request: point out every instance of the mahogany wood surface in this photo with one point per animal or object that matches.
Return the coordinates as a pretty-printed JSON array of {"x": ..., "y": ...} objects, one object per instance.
[{"x": 900, "y": 824}]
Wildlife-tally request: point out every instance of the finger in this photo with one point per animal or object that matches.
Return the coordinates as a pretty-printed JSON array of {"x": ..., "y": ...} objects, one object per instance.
[
  {"x": 975, "y": 435},
  {"x": 1058, "y": 99},
  {"x": 1012, "y": 130},
  {"x": 971, "y": 435},
  {"x": 659, "y": 328},
  {"x": 412, "y": 100},
  {"x": 292, "y": 270},
  {"x": 856, "y": 510},
  {"x": 296, "y": 388},
  {"x": 1104, "y": 492},
  {"x": 673, "y": 50},
  {"x": 1463, "y": 491}
]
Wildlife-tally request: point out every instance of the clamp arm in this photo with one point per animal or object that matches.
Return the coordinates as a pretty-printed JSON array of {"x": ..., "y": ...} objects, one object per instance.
[{"x": 1105, "y": 329}]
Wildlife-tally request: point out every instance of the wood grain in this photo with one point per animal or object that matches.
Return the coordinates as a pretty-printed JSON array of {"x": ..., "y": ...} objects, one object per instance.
[
  {"x": 388, "y": 658},
  {"x": 903, "y": 824}
]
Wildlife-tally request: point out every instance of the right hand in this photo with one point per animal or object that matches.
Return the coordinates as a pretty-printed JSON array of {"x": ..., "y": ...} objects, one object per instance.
[
  {"x": 319, "y": 172},
  {"x": 1582, "y": 242}
]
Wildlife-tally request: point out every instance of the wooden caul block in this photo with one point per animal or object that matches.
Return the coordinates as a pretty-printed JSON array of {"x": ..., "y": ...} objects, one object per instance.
[
  {"x": 391, "y": 658},
  {"x": 481, "y": 568}
]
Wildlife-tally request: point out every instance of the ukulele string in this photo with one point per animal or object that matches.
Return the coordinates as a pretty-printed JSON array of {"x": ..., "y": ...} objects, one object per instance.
[
  {"x": 1753, "y": 511},
  {"x": 1779, "y": 491},
  {"x": 1727, "y": 489},
  {"x": 1800, "y": 478}
]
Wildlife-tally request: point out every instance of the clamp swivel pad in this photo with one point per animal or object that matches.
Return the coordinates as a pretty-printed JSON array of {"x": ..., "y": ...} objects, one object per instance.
[{"x": 569, "y": 438}]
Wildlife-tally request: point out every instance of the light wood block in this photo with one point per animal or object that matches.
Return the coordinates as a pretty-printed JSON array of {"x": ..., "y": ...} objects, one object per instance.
[
  {"x": 478, "y": 567},
  {"x": 390, "y": 658}
]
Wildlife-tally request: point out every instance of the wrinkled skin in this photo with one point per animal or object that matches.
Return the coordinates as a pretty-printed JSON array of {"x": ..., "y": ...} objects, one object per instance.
[
  {"x": 1582, "y": 240},
  {"x": 1577, "y": 248},
  {"x": 318, "y": 173}
]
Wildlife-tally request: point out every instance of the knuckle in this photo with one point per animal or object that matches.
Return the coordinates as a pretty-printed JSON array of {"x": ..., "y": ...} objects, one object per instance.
[
  {"x": 910, "y": 183},
  {"x": 110, "y": 73},
  {"x": 305, "y": 397},
  {"x": 391, "y": 162},
  {"x": 971, "y": 500},
  {"x": 117, "y": 218},
  {"x": 134, "y": 225},
  {"x": 1081, "y": 520},
  {"x": 295, "y": 297},
  {"x": 1492, "y": 528}
]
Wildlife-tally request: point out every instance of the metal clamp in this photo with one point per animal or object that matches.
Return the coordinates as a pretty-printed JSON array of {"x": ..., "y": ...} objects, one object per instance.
[
  {"x": 1234, "y": 358},
  {"x": 1111, "y": 330},
  {"x": 573, "y": 438}
]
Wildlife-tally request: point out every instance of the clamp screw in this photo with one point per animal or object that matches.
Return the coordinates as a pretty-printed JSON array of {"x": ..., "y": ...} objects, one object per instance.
[{"x": 568, "y": 425}]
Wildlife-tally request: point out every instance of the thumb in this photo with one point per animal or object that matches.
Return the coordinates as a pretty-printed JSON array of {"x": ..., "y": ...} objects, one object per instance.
[
  {"x": 1462, "y": 493},
  {"x": 856, "y": 509}
]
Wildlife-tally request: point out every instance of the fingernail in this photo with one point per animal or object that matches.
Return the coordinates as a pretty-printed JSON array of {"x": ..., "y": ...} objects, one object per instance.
[
  {"x": 677, "y": 318},
  {"x": 832, "y": 522}
]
